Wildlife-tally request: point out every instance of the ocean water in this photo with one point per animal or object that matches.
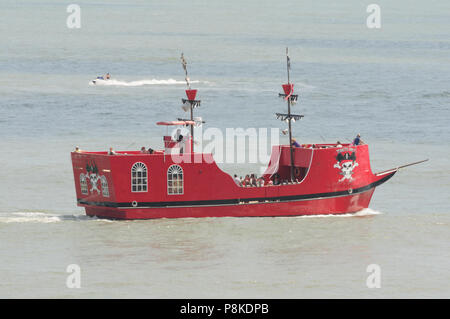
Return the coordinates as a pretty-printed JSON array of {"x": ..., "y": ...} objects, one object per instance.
[{"x": 389, "y": 84}]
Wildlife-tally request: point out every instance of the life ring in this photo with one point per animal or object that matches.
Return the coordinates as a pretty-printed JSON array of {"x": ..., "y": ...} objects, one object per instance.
[{"x": 134, "y": 203}]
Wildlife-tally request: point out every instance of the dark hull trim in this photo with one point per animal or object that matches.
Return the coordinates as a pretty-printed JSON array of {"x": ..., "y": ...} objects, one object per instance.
[{"x": 237, "y": 201}]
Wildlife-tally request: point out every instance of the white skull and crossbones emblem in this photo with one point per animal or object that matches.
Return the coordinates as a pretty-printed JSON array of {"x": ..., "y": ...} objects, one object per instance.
[
  {"x": 94, "y": 178},
  {"x": 92, "y": 174},
  {"x": 346, "y": 163}
]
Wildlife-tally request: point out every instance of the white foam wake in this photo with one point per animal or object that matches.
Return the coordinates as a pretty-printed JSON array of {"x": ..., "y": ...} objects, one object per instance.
[
  {"x": 361, "y": 213},
  {"x": 114, "y": 82},
  {"x": 39, "y": 217},
  {"x": 27, "y": 217}
]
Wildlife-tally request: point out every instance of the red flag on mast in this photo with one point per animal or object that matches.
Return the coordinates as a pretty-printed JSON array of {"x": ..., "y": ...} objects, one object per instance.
[{"x": 288, "y": 90}]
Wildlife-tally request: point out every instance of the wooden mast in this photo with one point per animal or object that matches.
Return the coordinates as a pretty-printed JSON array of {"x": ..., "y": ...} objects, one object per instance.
[
  {"x": 191, "y": 101},
  {"x": 289, "y": 117}
]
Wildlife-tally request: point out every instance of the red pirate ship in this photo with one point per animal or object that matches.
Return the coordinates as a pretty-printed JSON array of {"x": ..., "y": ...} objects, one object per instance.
[{"x": 171, "y": 183}]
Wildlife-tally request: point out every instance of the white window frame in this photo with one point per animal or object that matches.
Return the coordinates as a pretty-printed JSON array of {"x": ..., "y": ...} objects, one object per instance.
[
  {"x": 83, "y": 184},
  {"x": 139, "y": 181},
  {"x": 178, "y": 171},
  {"x": 105, "y": 188}
]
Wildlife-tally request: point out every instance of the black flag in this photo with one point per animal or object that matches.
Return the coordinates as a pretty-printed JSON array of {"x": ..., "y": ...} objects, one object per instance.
[
  {"x": 184, "y": 64},
  {"x": 288, "y": 59}
]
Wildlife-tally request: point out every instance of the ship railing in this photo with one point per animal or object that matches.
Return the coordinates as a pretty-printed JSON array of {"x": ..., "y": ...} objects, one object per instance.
[
  {"x": 321, "y": 145},
  {"x": 282, "y": 183},
  {"x": 121, "y": 153}
]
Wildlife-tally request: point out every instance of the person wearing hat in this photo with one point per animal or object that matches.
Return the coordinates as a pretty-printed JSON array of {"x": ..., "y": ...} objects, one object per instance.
[{"x": 358, "y": 140}]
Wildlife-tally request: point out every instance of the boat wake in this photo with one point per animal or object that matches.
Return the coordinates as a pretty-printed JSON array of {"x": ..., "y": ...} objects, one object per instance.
[
  {"x": 361, "y": 213},
  {"x": 113, "y": 82},
  {"x": 40, "y": 217}
]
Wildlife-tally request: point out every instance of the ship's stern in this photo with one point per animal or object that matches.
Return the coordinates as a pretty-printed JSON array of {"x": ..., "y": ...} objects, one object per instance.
[{"x": 94, "y": 185}]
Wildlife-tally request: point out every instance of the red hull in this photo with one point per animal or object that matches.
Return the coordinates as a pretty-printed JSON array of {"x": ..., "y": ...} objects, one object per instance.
[{"x": 338, "y": 205}]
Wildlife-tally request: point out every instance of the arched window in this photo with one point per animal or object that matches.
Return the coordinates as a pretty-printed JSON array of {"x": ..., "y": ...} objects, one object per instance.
[
  {"x": 83, "y": 184},
  {"x": 139, "y": 177},
  {"x": 175, "y": 180},
  {"x": 105, "y": 189}
]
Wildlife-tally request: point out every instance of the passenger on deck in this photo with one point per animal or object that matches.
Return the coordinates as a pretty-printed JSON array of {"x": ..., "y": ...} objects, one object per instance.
[
  {"x": 107, "y": 76},
  {"x": 260, "y": 182},
  {"x": 276, "y": 180},
  {"x": 358, "y": 140},
  {"x": 294, "y": 143},
  {"x": 253, "y": 180},
  {"x": 143, "y": 150},
  {"x": 338, "y": 144},
  {"x": 77, "y": 149},
  {"x": 150, "y": 150},
  {"x": 246, "y": 180},
  {"x": 179, "y": 138},
  {"x": 237, "y": 180},
  {"x": 111, "y": 151}
]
